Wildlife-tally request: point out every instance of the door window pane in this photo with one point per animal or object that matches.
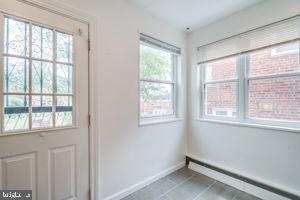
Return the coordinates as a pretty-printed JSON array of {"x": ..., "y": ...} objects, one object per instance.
[
  {"x": 42, "y": 43},
  {"x": 42, "y": 111},
  {"x": 15, "y": 74},
  {"x": 16, "y": 112},
  {"x": 16, "y": 37},
  {"x": 42, "y": 75},
  {"x": 31, "y": 90},
  {"x": 64, "y": 48},
  {"x": 221, "y": 99},
  {"x": 156, "y": 99},
  {"x": 277, "y": 99},
  {"x": 155, "y": 64},
  {"x": 64, "y": 79},
  {"x": 64, "y": 111},
  {"x": 222, "y": 69}
]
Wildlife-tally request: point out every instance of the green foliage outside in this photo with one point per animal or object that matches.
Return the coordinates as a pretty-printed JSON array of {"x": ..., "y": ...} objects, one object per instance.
[{"x": 155, "y": 65}]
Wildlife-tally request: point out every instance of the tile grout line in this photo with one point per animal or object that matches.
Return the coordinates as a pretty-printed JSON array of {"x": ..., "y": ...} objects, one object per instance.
[
  {"x": 173, "y": 188},
  {"x": 206, "y": 189},
  {"x": 236, "y": 195}
]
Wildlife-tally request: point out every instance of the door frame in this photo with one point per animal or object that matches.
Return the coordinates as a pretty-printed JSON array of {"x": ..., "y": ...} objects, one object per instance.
[{"x": 56, "y": 7}]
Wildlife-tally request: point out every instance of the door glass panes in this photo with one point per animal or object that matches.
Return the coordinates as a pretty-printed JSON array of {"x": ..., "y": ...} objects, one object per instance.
[
  {"x": 16, "y": 74},
  {"x": 16, "y": 112},
  {"x": 42, "y": 111},
  {"x": 42, "y": 43},
  {"x": 16, "y": 37},
  {"x": 64, "y": 52},
  {"x": 42, "y": 75},
  {"x": 64, "y": 78},
  {"x": 64, "y": 109},
  {"x": 37, "y": 77}
]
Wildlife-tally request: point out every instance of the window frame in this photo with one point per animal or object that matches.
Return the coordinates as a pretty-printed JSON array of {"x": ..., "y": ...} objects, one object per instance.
[
  {"x": 54, "y": 94},
  {"x": 175, "y": 59},
  {"x": 203, "y": 83},
  {"x": 244, "y": 78}
]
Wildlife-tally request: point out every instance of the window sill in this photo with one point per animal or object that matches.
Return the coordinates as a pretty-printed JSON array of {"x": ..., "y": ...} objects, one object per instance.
[
  {"x": 253, "y": 125},
  {"x": 148, "y": 122}
]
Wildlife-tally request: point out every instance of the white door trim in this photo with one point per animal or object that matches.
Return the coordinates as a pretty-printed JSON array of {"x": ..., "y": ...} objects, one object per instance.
[{"x": 74, "y": 14}]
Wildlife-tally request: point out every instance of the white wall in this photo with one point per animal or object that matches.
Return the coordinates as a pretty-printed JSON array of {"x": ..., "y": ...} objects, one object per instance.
[
  {"x": 128, "y": 153},
  {"x": 268, "y": 155}
]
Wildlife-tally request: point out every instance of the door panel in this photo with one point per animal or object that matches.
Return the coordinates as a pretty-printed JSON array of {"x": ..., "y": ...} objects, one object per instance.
[
  {"x": 62, "y": 170},
  {"x": 52, "y": 162},
  {"x": 19, "y": 172}
]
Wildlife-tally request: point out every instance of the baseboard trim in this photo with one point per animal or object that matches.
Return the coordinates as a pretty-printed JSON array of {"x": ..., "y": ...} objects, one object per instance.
[
  {"x": 240, "y": 182},
  {"x": 144, "y": 183}
]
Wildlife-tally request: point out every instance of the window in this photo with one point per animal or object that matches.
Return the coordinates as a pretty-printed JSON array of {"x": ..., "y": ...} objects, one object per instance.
[
  {"x": 253, "y": 78},
  {"x": 256, "y": 87},
  {"x": 291, "y": 48},
  {"x": 158, "y": 67},
  {"x": 274, "y": 85},
  {"x": 37, "y": 77},
  {"x": 220, "y": 87}
]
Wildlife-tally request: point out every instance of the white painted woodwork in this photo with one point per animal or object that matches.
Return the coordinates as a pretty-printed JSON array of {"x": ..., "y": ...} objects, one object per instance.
[{"x": 53, "y": 163}]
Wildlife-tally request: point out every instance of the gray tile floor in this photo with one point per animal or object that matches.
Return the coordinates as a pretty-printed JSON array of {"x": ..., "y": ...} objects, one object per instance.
[{"x": 186, "y": 184}]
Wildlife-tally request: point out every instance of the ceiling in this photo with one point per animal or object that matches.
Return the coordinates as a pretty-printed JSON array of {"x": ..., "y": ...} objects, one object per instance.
[{"x": 192, "y": 13}]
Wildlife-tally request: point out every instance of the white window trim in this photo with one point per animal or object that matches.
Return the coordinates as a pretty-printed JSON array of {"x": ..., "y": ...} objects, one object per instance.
[
  {"x": 242, "y": 118},
  {"x": 151, "y": 120}
]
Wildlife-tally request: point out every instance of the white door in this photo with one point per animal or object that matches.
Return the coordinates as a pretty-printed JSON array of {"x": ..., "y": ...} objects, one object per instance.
[{"x": 44, "y": 139}]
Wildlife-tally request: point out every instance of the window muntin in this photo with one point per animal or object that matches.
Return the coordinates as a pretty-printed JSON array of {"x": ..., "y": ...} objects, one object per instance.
[
  {"x": 33, "y": 77},
  {"x": 157, "y": 82},
  {"x": 220, "y": 77},
  {"x": 268, "y": 90}
]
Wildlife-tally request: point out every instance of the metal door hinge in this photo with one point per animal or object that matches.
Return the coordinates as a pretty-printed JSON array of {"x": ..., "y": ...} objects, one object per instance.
[
  {"x": 89, "y": 120},
  {"x": 89, "y": 44}
]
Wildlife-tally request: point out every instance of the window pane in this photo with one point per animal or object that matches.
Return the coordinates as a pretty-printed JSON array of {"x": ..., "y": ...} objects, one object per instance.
[
  {"x": 281, "y": 59},
  {"x": 155, "y": 64},
  {"x": 64, "y": 111},
  {"x": 221, "y": 99},
  {"x": 64, "y": 47},
  {"x": 42, "y": 75},
  {"x": 41, "y": 111},
  {"x": 16, "y": 75},
  {"x": 156, "y": 99},
  {"x": 16, "y": 115},
  {"x": 64, "y": 79},
  {"x": 277, "y": 98},
  {"x": 16, "y": 37},
  {"x": 221, "y": 69},
  {"x": 42, "y": 43}
]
